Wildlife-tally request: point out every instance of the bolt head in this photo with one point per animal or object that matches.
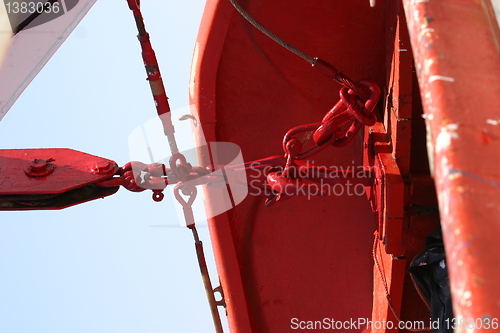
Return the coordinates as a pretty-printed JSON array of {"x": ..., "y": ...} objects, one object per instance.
[
  {"x": 38, "y": 165},
  {"x": 102, "y": 167},
  {"x": 39, "y": 168}
]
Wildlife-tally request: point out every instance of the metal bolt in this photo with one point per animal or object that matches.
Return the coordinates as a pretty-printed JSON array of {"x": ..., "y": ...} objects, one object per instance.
[
  {"x": 39, "y": 167},
  {"x": 102, "y": 167}
]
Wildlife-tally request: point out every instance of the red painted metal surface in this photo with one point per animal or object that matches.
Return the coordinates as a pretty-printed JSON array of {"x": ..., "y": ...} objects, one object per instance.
[
  {"x": 316, "y": 257},
  {"x": 70, "y": 169},
  {"x": 403, "y": 193},
  {"x": 456, "y": 49},
  {"x": 313, "y": 257},
  {"x": 52, "y": 178},
  {"x": 35, "y": 176},
  {"x": 310, "y": 257}
]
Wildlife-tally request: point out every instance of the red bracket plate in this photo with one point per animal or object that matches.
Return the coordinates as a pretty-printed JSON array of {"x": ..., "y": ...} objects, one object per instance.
[{"x": 67, "y": 169}]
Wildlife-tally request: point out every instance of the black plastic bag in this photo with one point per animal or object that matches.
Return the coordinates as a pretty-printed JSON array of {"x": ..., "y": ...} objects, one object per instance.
[{"x": 430, "y": 275}]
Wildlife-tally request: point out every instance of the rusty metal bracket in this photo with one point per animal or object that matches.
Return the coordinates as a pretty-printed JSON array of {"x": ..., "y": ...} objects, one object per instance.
[{"x": 221, "y": 301}]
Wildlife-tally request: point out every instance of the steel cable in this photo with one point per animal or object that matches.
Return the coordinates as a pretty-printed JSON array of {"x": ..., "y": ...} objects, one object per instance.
[
  {"x": 271, "y": 35},
  {"x": 320, "y": 64}
]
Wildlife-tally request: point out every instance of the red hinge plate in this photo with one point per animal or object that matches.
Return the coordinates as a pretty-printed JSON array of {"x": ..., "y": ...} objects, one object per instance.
[{"x": 50, "y": 171}]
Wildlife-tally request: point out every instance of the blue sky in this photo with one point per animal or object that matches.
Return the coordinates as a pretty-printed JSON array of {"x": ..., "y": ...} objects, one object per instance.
[{"x": 100, "y": 266}]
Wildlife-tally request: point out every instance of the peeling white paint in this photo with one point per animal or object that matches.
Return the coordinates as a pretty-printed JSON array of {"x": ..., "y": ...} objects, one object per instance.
[
  {"x": 444, "y": 138},
  {"x": 419, "y": 67},
  {"x": 425, "y": 31},
  {"x": 443, "y": 142},
  {"x": 465, "y": 300},
  {"x": 433, "y": 78},
  {"x": 414, "y": 21},
  {"x": 428, "y": 102},
  {"x": 428, "y": 139},
  {"x": 428, "y": 62},
  {"x": 444, "y": 168},
  {"x": 444, "y": 205}
]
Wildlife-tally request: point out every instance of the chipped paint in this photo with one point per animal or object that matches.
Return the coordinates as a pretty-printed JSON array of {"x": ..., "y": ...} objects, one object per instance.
[
  {"x": 443, "y": 142},
  {"x": 433, "y": 78},
  {"x": 465, "y": 300},
  {"x": 427, "y": 66},
  {"x": 426, "y": 38},
  {"x": 444, "y": 206},
  {"x": 445, "y": 169},
  {"x": 459, "y": 145},
  {"x": 428, "y": 116},
  {"x": 428, "y": 138},
  {"x": 428, "y": 97},
  {"x": 425, "y": 31},
  {"x": 444, "y": 138}
]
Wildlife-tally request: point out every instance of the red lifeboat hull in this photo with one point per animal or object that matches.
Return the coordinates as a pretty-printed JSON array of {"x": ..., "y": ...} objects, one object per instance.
[{"x": 314, "y": 260}]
